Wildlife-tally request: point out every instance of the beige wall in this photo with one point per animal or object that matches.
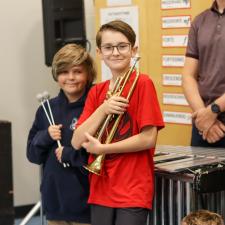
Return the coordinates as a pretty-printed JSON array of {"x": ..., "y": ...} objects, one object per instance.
[{"x": 23, "y": 75}]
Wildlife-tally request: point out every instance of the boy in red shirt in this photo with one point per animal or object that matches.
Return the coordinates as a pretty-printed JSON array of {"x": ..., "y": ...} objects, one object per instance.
[{"x": 124, "y": 193}]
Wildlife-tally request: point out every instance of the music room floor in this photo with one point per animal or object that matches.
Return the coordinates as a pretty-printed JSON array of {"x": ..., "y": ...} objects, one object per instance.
[{"x": 34, "y": 221}]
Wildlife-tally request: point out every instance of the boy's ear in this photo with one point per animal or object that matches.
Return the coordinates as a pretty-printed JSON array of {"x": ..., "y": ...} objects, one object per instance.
[
  {"x": 98, "y": 51},
  {"x": 134, "y": 51}
]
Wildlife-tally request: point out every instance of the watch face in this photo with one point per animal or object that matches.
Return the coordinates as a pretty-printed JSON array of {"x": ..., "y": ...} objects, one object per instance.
[{"x": 215, "y": 108}]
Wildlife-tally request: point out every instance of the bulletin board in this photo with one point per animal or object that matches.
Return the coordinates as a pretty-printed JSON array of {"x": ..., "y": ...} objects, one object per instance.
[{"x": 163, "y": 29}]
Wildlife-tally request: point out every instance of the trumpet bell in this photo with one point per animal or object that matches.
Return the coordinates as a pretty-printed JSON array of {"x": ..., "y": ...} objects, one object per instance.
[{"x": 96, "y": 165}]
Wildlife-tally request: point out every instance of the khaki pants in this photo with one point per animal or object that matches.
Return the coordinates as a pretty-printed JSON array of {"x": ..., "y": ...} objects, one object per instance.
[{"x": 57, "y": 222}]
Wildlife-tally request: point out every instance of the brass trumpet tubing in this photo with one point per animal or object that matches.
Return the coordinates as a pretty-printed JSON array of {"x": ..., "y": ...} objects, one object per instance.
[
  {"x": 117, "y": 85},
  {"x": 104, "y": 126},
  {"x": 117, "y": 121},
  {"x": 127, "y": 75},
  {"x": 133, "y": 85},
  {"x": 109, "y": 117}
]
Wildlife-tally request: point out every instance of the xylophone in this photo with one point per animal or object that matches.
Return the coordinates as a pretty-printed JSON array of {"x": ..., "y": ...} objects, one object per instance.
[{"x": 187, "y": 179}]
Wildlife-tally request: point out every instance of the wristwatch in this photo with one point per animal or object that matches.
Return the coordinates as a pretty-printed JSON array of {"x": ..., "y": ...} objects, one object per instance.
[{"x": 215, "y": 108}]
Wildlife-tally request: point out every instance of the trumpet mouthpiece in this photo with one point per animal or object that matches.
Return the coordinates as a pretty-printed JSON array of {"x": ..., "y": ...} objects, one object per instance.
[{"x": 138, "y": 58}]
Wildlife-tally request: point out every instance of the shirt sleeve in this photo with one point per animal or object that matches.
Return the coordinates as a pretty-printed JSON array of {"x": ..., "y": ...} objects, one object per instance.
[
  {"x": 76, "y": 158},
  {"x": 90, "y": 106},
  {"x": 149, "y": 113},
  {"x": 192, "y": 47},
  {"x": 39, "y": 141}
]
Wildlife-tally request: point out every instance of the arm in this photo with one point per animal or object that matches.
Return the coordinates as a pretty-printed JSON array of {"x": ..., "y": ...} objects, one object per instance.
[
  {"x": 66, "y": 154},
  {"x": 204, "y": 118},
  {"x": 114, "y": 105},
  {"x": 190, "y": 85},
  {"x": 38, "y": 145},
  {"x": 144, "y": 140},
  {"x": 41, "y": 139}
]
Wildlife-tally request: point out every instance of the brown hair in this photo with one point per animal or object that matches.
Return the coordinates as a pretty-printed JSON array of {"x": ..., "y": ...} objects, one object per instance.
[
  {"x": 203, "y": 217},
  {"x": 119, "y": 26},
  {"x": 73, "y": 55}
]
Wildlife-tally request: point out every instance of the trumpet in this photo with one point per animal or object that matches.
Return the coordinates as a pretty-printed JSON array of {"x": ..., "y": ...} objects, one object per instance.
[{"x": 120, "y": 83}]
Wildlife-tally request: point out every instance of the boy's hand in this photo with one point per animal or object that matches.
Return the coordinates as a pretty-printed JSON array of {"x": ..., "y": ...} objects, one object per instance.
[
  {"x": 55, "y": 131},
  {"x": 92, "y": 145},
  {"x": 115, "y": 105},
  {"x": 58, "y": 153}
]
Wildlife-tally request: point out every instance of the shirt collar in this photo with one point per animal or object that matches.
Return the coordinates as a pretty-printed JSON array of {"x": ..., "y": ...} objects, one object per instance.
[
  {"x": 214, "y": 8},
  {"x": 80, "y": 102}
]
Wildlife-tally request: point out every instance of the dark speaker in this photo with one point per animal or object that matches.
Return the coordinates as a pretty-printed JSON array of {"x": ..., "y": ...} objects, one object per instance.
[
  {"x": 64, "y": 22},
  {"x": 6, "y": 181}
]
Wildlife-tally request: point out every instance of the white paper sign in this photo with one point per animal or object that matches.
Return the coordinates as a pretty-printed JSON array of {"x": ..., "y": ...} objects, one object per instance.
[
  {"x": 118, "y": 2},
  {"x": 174, "y": 99},
  {"x": 176, "y": 22},
  {"x": 175, "y": 4},
  {"x": 127, "y": 14},
  {"x": 177, "y": 117},
  {"x": 173, "y": 60},
  {"x": 174, "y": 40},
  {"x": 172, "y": 79}
]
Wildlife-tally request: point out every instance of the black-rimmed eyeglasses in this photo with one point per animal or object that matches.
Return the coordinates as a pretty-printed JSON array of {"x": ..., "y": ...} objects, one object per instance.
[{"x": 122, "y": 48}]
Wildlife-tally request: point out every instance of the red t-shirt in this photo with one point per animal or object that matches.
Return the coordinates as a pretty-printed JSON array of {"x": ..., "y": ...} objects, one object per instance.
[{"x": 128, "y": 178}]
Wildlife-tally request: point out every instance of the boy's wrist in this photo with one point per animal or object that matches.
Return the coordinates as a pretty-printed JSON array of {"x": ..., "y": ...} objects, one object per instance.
[{"x": 103, "y": 109}]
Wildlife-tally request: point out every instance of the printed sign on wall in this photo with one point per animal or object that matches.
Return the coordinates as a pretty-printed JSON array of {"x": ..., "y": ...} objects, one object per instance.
[
  {"x": 177, "y": 117},
  {"x": 174, "y": 40},
  {"x": 174, "y": 99},
  {"x": 173, "y": 60},
  {"x": 172, "y": 79},
  {"x": 176, "y": 22},
  {"x": 118, "y": 2},
  {"x": 175, "y": 4}
]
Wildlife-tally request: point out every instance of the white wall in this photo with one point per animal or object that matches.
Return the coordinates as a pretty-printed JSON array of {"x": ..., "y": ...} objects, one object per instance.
[{"x": 23, "y": 75}]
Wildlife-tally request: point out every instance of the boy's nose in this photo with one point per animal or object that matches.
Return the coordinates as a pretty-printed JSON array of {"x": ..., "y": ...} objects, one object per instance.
[
  {"x": 71, "y": 75},
  {"x": 115, "y": 51}
]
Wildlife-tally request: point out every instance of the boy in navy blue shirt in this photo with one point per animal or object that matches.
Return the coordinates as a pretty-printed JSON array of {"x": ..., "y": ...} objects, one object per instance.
[{"x": 64, "y": 189}]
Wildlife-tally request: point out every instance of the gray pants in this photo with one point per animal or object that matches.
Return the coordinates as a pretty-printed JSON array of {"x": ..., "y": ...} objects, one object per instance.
[{"x": 101, "y": 215}]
